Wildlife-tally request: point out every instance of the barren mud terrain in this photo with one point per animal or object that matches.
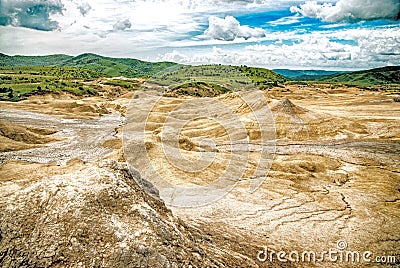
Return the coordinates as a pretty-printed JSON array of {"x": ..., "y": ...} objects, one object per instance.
[{"x": 68, "y": 198}]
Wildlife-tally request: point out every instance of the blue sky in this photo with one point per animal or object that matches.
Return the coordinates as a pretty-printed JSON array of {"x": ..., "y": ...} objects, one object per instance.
[{"x": 341, "y": 34}]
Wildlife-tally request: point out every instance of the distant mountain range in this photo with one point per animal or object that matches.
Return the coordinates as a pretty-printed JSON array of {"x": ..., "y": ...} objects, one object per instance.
[
  {"x": 306, "y": 75},
  {"x": 128, "y": 67},
  {"x": 379, "y": 76}
]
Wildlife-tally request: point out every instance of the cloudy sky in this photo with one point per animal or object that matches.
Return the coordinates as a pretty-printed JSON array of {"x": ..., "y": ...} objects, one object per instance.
[{"x": 328, "y": 34}]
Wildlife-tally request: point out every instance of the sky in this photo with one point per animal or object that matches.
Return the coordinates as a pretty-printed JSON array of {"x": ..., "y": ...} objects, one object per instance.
[{"x": 328, "y": 34}]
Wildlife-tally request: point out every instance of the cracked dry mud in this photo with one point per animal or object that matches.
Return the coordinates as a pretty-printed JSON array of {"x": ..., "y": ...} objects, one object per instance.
[
  {"x": 83, "y": 138},
  {"x": 335, "y": 176}
]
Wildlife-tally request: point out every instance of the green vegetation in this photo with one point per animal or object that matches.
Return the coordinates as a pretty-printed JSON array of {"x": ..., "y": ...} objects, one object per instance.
[
  {"x": 17, "y": 83},
  {"x": 221, "y": 75},
  {"x": 387, "y": 78},
  {"x": 112, "y": 67},
  {"x": 22, "y": 76},
  {"x": 263, "y": 78},
  {"x": 126, "y": 84},
  {"x": 40, "y": 73},
  {"x": 381, "y": 76},
  {"x": 105, "y": 66},
  {"x": 231, "y": 77},
  {"x": 51, "y": 60},
  {"x": 133, "y": 68},
  {"x": 198, "y": 89}
]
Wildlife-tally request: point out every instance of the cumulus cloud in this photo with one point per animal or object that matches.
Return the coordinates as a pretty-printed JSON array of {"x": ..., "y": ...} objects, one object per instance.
[
  {"x": 350, "y": 10},
  {"x": 229, "y": 28},
  {"x": 369, "y": 48},
  {"x": 35, "y": 14},
  {"x": 122, "y": 25}
]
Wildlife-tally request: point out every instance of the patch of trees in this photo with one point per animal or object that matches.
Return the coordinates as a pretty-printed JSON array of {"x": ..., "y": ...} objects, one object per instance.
[{"x": 6, "y": 91}]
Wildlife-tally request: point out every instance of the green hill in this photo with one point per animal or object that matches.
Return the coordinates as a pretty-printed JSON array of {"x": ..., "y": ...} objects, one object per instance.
[
  {"x": 235, "y": 76},
  {"x": 262, "y": 77},
  {"x": 381, "y": 76},
  {"x": 117, "y": 66},
  {"x": 104, "y": 65},
  {"x": 132, "y": 68},
  {"x": 51, "y": 60},
  {"x": 23, "y": 76}
]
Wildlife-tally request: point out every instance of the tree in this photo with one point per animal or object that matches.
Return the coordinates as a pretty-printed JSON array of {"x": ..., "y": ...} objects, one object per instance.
[{"x": 10, "y": 94}]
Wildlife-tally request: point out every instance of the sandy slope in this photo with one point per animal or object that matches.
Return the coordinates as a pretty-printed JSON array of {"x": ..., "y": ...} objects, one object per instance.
[{"x": 17, "y": 137}]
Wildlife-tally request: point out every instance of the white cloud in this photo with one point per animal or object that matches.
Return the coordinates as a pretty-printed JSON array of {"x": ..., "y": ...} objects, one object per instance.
[
  {"x": 117, "y": 44},
  {"x": 35, "y": 14},
  {"x": 176, "y": 17},
  {"x": 367, "y": 48},
  {"x": 175, "y": 28},
  {"x": 229, "y": 28},
  {"x": 84, "y": 8},
  {"x": 350, "y": 10},
  {"x": 285, "y": 20},
  {"x": 122, "y": 25}
]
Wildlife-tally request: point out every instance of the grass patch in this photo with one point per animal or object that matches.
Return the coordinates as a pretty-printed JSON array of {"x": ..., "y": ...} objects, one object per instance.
[
  {"x": 198, "y": 89},
  {"x": 19, "y": 82},
  {"x": 263, "y": 78}
]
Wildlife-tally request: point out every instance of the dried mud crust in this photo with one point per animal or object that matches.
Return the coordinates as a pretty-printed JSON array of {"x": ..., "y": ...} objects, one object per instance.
[
  {"x": 335, "y": 176},
  {"x": 80, "y": 138},
  {"x": 99, "y": 217},
  {"x": 15, "y": 137}
]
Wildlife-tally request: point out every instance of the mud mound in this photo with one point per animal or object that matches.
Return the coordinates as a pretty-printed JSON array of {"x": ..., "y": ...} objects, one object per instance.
[
  {"x": 65, "y": 107},
  {"x": 287, "y": 107},
  {"x": 79, "y": 108},
  {"x": 98, "y": 217},
  {"x": 298, "y": 124},
  {"x": 291, "y": 120},
  {"x": 17, "y": 137}
]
